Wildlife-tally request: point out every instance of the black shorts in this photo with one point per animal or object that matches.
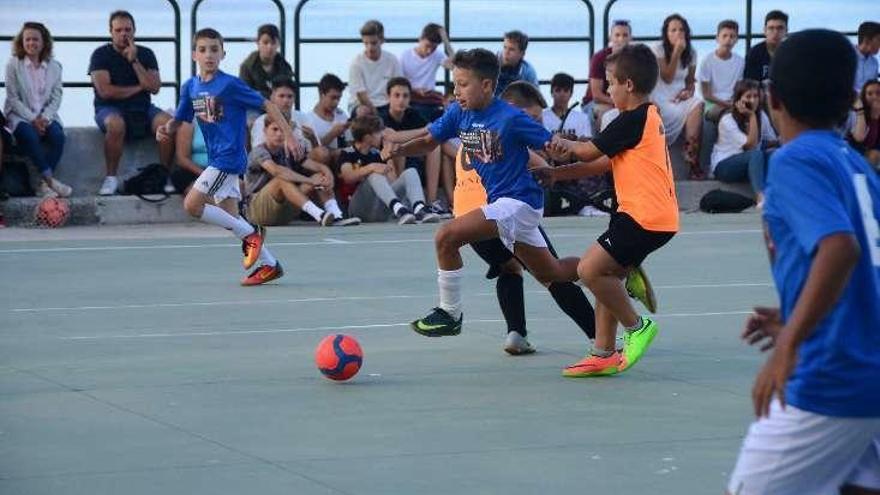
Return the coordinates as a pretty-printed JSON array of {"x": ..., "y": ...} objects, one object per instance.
[
  {"x": 628, "y": 243},
  {"x": 496, "y": 254}
]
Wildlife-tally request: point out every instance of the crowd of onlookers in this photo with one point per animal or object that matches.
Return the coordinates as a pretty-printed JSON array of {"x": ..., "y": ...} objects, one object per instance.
[{"x": 391, "y": 93}]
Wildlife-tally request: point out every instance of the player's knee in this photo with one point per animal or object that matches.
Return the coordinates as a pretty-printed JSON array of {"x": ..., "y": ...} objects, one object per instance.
[
  {"x": 446, "y": 238},
  {"x": 193, "y": 206},
  {"x": 586, "y": 272},
  {"x": 115, "y": 126}
]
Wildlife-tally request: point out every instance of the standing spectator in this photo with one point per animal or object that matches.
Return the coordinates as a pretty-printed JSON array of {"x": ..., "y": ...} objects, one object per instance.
[
  {"x": 328, "y": 122},
  {"x": 597, "y": 90},
  {"x": 674, "y": 94},
  {"x": 191, "y": 156},
  {"x": 865, "y": 134},
  {"x": 866, "y": 53},
  {"x": 513, "y": 65},
  {"x": 720, "y": 71},
  {"x": 283, "y": 95},
  {"x": 33, "y": 96},
  {"x": 265, "y": 63},
  {"x": 758, "y": 58},
  {"x": 124, "y": 76},
  {"x": 370, "y": 71},
  {"x": 420, "y": 63}
]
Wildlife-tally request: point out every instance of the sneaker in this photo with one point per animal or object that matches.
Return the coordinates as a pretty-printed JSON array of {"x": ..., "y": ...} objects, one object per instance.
[
  {"x": 517, "y": 345},
  {"x": 426, "y": 216},
  {"x": 594, "y": 366},
  {"x": 109, "y": 186},
  {"x": 438, "y": 323},
  {"x": 59, "y": 187},
  {"x": 639, "y": 287},
  {"x": 346, "y": 222},
  {"x": 169, "y": 187},
  {"x": 327, "y": 219},
  {"x": 405, "y": 217},
  {"x": 44, "y": 191},
  {"x": 263, "y": 274},
  {"x": 636, "y": 343},
  {"x": 439, "y": 209},
  {"x": 251, "y": 245}
]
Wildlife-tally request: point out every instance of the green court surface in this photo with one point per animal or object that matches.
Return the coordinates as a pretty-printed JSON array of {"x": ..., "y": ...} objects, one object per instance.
[{"x": 131, "y": 361}]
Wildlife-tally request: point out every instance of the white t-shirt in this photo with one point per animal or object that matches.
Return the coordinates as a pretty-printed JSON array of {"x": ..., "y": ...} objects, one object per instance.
[
  {"x": 421, "y": 72},
  {"x": 576, "y": 123},
  {"x": 322, "y": 127},
  {"x": 372, "y": 76},
  {"x": 258, "y": 136},
  {"x": 721, "y": 74},
  {"x": 731, "y": 139}
]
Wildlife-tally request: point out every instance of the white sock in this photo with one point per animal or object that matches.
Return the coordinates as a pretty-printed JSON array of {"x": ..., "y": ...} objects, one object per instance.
[
  {"x": 449, "y": 282},
  {"x": 396, "y": 207},
  {"x": 219, "y": 217},
  {"x": 313, "y": 211},
  {"x": 333, "y": 207},
  {"x": 418, "y": 207},
  {"x": 266, "y": 257}
]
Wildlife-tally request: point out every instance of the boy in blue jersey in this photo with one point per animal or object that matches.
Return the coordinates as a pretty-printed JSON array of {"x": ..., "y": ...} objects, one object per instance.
[
  {"x": 221, "y": 102},
  {"x": 496, "y": 138},
  {"x": 817, "y": 398}
]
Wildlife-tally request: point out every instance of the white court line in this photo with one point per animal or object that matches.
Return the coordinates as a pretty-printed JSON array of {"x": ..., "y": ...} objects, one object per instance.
[
  {"x": 324, "y": 299},
  {"x": 341, "y": 327},
  {"x": 324, "y": 242}
]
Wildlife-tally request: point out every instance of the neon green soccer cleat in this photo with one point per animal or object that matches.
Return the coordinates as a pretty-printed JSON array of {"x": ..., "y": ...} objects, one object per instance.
[
  {"x": 639, "y": 287},
  {"x": 636, "y": 343},
  {"x": 438, "y": 323}
]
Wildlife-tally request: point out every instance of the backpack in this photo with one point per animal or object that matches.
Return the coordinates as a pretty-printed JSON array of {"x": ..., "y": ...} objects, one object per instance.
[
  {"x": 150, "y": 179},
  {"x": 720, "y": 201}
]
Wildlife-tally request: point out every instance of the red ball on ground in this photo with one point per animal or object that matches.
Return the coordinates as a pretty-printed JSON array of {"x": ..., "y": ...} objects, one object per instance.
[{"x": 339, "y": 357}]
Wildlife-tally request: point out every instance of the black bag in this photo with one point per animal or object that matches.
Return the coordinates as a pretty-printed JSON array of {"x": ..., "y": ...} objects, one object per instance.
[
  {"x": 720, "y": 201},
  {"x": 148, "y": 180}
]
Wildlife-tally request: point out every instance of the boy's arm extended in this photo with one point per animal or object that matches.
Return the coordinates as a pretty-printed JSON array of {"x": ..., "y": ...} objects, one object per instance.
[
  {"x": 290, "y": 141},
  {"x": 415, "y": 147}
]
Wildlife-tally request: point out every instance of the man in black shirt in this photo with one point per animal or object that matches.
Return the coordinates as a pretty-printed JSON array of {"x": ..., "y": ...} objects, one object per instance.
[{"x": 759, "y": 57}]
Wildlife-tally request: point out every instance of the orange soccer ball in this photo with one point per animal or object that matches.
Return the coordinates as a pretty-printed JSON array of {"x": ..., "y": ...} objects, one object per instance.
[
  {"x": 52, "y": 212},
  {"x": 339, "y": 357}
]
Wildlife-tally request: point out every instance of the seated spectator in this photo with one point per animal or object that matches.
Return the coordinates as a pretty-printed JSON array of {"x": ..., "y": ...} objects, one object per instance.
[
  {"x": 720, "y": 71},
  {"x": 744, "y": 133},
  {"x": 399, "y": 116},
  {"x": 674, "y": 95},
  {"x": 371, "y": 186},
  {"x": 758, "y": 58},
  {"x": 328, "y": 122},
  {"x": 513, "y": 64},
  {"x": 33, "y": 96},
  {"x": 370, "y": 71},
  {"x": 865, "y": 134},
  {"x": 866, "y": 54},
  {"x": 265, "y": 63},
  {"x": 278, "y": 187},
  {"x": 191, "y": 156},
  {"x": 596, "y": 101},
  {"x": 284, "y": 97},
  {"x": 420, "y": 63},
  {"x": 124, "y": 76}
]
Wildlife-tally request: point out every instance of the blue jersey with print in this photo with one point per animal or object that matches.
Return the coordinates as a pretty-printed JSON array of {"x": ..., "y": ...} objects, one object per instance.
[
  {"x": 819, "y": 186},
  {"x": 221, "y": 106},
  {"x": 496, "y": 140}
]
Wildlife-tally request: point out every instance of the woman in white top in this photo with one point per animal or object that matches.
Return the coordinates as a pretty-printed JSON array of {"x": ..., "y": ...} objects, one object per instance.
[
  {"x": 33, "y": 96},
  {"x": 674, "y": 94},
  {"x": 739, "y": 154}
]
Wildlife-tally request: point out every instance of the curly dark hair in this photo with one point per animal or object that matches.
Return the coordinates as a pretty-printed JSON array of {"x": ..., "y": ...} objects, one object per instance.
[{"x": 18, "y": 43}]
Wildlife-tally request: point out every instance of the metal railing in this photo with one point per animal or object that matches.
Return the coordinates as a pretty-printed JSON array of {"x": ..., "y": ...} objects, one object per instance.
[
  {"x": 298, "y": 40},
  {"x": 157, "y": 39},
  {"x": 282, "y": 28}
]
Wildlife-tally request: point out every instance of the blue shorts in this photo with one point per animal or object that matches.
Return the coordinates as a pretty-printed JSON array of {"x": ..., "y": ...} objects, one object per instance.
[{"x": 101, "y": 114}]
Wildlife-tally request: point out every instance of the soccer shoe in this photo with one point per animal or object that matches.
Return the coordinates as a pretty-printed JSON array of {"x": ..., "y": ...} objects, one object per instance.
[
  {"x": 251, "y": 245},
  {"x": 438, "y": 323},
  {"x": 263, "y": 274},
  {"x": 327, "y": 219},
  {"x": 517, "y": 345},
  {"x": 594, "y": 366},
  {"x": 636, "y": 343},
  {"x": 346, "y": 222},
  {"x": 639, "y": 287}
]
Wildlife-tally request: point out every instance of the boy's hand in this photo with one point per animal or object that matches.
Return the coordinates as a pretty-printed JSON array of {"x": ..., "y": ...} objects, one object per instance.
[
  {"x": 558, "y": 148},
  {"x": 380, "y": 168},
  {"x": 764, "y": 323},
  {"x": 320, "y": 181},
  {"x": 773, "y": 377},
  {"x": 294, "y": 147},
  {"x": 163, "y": 134},
  {"x": 546, "y": 176}
]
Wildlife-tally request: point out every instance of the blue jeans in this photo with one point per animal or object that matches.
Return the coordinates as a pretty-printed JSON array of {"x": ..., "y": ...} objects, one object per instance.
[
  {"x": 748, "y": 166},
  {"x": 31, "y": 143}
]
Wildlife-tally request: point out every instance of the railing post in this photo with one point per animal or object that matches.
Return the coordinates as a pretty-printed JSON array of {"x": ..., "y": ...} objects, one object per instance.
[
  {"x": 296, "y": 55},
  {"x": 177, "y": 58},
  {"x": 748, "y": 25}
]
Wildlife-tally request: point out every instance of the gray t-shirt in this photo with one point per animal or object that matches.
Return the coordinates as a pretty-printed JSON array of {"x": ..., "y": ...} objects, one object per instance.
[{"x": 256, "y": 177}]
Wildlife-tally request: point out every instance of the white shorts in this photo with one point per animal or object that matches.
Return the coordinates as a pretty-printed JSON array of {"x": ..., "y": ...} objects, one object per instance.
[
  {"x": 217, "y": 184},
  {"x": 517, "y": 222},
  {"x": 795, "y": 452}
]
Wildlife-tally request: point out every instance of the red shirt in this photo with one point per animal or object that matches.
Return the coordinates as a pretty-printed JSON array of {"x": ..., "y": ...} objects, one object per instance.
[{"x": 597, "y": 71}]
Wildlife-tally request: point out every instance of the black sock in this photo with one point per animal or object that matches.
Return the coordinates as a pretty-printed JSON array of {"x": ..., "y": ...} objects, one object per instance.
[
  {"x": 573, "y": 302},
  {"x": 509, "y": 288}
]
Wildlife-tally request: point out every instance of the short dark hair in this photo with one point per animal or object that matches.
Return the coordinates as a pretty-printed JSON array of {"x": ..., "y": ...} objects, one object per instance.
[
  {"x": 330, "y": 81},
  {"x": 523, "y": 94},
  {"x": 362, "y": 127},
  {"x": 776, "y": 15},
  {"x": 207, "y": 33},
  {"x": 270, "y": 30},
  {"x": 812, "y": 75},
  {"x": 282, "y": 82},
  {"x": 480, "y": 61},
  {"x": 18, "y": 42},
  {"x": 397, "y": 81},
  {"x": 116, "y": 14},
  {"x": 868, "y": 30},
  {"x": 373, "y": 28},
  {"x": 518, "y": 37},
  {"x": 562, "y": 80},
  {"x": 728, "y": 24},
  {"x": 638, "y": 64},
  {"x": 431, "y": 32}
]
